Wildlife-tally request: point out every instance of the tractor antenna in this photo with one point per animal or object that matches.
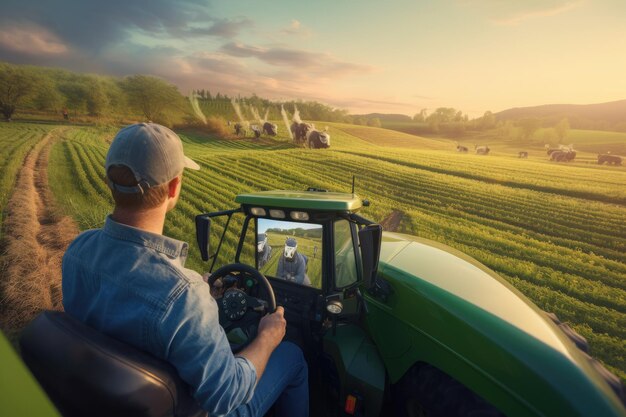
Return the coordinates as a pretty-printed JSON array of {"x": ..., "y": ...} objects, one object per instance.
[{"x": 353, "y": 177}]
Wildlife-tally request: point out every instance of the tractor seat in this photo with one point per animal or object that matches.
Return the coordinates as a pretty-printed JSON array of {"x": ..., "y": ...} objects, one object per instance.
[{"x": 86, "y": 373}]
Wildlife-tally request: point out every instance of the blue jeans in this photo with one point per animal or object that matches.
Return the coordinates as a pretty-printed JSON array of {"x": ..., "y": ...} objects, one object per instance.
[{"x": 284, "y": 383}]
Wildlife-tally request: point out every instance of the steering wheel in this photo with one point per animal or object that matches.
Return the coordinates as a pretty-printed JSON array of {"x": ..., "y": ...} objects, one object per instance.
[{"x": 238, "y": 310}]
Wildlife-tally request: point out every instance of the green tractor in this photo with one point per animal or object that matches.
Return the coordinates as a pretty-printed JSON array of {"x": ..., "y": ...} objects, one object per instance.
[
  {"x": 395, "y": 324},
  {"x": 390, "y": 324}
]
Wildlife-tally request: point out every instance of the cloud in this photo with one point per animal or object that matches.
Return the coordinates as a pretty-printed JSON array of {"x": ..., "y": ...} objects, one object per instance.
[
  {"x": 546, "y": 11},
  {"x": 31, "y": 40},
  {"x": 296, "y": 28},
  {"x": 303, "y": 61},
  {"x": 94, "y": 25},
  {"x": 223, "y": 28},
  {"x": 513, "y": 12}
]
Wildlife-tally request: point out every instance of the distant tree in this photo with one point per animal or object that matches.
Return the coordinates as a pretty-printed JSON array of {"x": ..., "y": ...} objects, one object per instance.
[
  {"x": 96, "y": 98},
  {"x": 75, "y": 94},
  {"x": 561, "y": 129},
  {"x": 16, "y": 86},
  {"x": 47, "y": 96},
  {"x": 529, "y": 126},
  {"x": 420, "y": 117},
  {"x": 550, "y": 135},
  {"x": 507, "y": 130},
  {"x": 157, "y": 100},
  {"x": 374, "y": 122},
  {"x": 488, "y": 121}
]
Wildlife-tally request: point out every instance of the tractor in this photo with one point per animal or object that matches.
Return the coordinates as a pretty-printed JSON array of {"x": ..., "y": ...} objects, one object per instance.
[{"x": 390, "y": 324}]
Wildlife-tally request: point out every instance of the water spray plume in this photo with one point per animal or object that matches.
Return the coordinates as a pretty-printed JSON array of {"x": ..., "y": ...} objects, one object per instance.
[
  {"x": 256, "y": 114},
  {"x": 238, "y": 111},
  {"x": 267, "y": 113},
  {"x": 286, "y": 120},
  {"x": 193, "y": 99},
  {"x": 296, "y": 115}
]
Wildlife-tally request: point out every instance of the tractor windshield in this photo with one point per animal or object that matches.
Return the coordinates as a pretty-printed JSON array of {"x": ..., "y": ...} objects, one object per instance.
[{"x": 290, "y": 251}]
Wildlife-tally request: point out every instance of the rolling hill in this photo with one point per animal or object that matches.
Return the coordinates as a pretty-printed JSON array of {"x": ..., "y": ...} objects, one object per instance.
[{"x": 605, "y": 116}]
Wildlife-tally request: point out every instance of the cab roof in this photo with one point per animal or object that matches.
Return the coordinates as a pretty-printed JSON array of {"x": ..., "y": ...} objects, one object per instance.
[{"x": 311, "y": 200}]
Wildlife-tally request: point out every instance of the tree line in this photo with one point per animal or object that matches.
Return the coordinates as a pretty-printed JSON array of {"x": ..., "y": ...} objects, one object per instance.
[
  {"x": 453, "y": 122},
  {"x": 32, "y": 89}
]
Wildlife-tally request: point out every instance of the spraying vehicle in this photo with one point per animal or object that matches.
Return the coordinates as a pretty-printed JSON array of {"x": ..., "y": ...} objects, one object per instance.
[{"x": 390, "y": 324}]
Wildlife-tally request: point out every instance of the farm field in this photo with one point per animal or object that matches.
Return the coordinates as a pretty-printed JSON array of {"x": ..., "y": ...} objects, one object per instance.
[
  {"x": 585, "y": 141},
  {"x": 555, "y": 231}
]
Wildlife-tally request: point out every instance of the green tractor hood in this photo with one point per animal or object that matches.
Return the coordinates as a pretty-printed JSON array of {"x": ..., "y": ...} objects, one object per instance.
[{"x": 462, "y": 317}]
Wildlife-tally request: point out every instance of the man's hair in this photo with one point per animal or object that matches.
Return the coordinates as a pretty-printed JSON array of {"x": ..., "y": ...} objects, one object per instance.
[{"x": 151, "y": 197}]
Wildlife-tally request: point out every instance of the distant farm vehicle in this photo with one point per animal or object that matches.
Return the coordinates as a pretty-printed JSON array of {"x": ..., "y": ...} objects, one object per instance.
[
  {"x": 522, "y": 154},
  {"x": 240, "y": 130},
  {"x": 461, "y": 148},
  {"x": 550, "y": 150},
  {"x": 318, "y": 139},
  {"x": 300, "y": 130},
  {"x": 270, "y": 129},
  {"x": 256, "y": 130},
  {"x": 609, "y": 159},
  {"x": 482, "y": 149},
  {"x": 563, "y": 155}
]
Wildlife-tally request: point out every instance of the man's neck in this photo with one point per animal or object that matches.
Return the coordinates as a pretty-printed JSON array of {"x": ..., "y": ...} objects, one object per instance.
[{"x": 150, "y": 220}]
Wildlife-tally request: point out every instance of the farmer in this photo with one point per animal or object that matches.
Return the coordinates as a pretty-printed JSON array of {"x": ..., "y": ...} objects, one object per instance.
[
  {"x": 128, "y": 280},
  {"x": 292, "y": 264},
  {"x": 264, "y": 250}
]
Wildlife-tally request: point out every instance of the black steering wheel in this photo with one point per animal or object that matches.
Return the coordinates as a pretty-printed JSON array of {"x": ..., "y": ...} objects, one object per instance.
[{"x": 238, "y": 310}]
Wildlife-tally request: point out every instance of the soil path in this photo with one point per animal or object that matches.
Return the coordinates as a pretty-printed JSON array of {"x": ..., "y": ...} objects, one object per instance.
[
  {"x": 35, "y": 238},
  {"x": 392, "y": 221}
]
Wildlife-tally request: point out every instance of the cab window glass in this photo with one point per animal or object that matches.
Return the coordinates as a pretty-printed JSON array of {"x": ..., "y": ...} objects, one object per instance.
[
  {"x": 345, "y": 260},
  {"x": 248, "y": 251},
  {"x": 291, "y": 251}
]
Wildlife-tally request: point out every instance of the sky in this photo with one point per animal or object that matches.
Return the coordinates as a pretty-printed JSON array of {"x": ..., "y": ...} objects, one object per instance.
[
  {"x": 395, "y": 56},
  {"x": 265, "y": 224}
]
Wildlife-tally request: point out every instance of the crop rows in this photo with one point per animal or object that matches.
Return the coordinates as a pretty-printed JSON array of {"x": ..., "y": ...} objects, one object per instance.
[
  {"x": 564, "y": 250},
  {"x": 16, "y": 140}
]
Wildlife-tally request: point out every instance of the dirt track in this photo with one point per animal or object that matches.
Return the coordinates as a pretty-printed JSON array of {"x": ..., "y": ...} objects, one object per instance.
[
  {"x": 35, "y": 238},
  {"x": 392, "y": 221}
]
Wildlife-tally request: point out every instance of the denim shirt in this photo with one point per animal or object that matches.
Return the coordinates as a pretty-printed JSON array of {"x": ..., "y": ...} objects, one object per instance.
[{"x": 132, "y": 285}]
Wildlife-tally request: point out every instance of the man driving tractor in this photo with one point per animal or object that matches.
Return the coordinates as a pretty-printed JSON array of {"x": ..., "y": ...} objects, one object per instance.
[
  {"x": 292, "y": 265},
  {"x": 128, "y": 280}
]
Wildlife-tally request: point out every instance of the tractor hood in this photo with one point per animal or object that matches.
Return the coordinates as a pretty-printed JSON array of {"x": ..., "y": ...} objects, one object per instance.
[
  {"x": 462, "y": 276},
  {"x": 460, "y": 316}
]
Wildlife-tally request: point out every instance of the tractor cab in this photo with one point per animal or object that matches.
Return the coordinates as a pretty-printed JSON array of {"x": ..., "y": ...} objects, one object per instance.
[{"x": 319, "y": 257}]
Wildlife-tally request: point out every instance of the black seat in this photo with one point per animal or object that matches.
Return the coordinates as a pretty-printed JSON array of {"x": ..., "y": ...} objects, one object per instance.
[{"x": 87, "y": 373}]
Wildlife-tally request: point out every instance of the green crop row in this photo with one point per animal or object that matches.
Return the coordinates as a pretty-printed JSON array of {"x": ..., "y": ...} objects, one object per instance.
[{"x": 16, "y": 140}]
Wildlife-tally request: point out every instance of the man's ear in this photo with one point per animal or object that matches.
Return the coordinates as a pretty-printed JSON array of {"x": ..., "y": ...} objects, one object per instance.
[{"x": 173, "y": 187}]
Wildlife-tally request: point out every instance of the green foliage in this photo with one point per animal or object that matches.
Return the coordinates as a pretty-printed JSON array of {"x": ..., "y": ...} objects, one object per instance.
[
  {"x": 16, "y": 85},
  {"x": 561, "y": 129},
  {"x": 16, "y": 140},
  {"x": 529, "y": 126},
  {"x": 420, "y": 117},
  {"x": 157, "y": 100},
  {"x": 374, "y": 122}
]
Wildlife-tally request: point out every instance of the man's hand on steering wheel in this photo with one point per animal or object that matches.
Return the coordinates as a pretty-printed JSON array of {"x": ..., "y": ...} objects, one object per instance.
[
  {"x": 272, "y": 327},
  {"x": 239, "y": 312}
]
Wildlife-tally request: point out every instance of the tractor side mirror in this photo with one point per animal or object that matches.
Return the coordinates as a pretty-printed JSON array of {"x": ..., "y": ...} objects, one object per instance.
[
  {"x": 370, "y": 238},
  {"x": 203, "y": 230}
]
